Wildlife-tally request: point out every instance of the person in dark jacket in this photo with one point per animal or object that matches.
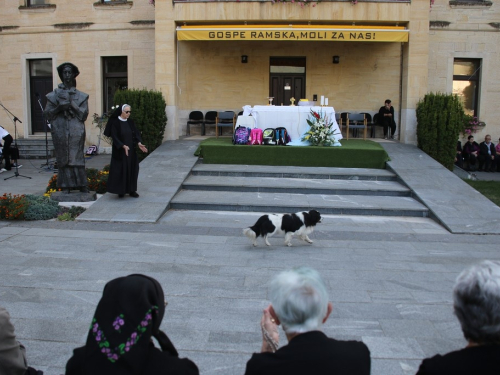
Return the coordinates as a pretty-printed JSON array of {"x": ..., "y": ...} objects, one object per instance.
[
  {"x": 120, "y": 342},
  {"x": 470, "y": 152},
  {"x": 476, "y": 301},
  {"x": 124, "y": 167},
  {"x": 299, "y": 303},
  {"x": 7, "y": 141},
  {"x": 386, "y": 118},
  {"x": 488, "y": 157}
]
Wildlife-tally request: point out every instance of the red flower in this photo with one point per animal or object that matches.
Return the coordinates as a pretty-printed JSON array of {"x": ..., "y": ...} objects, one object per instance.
[{"x": 315, "y": 114}]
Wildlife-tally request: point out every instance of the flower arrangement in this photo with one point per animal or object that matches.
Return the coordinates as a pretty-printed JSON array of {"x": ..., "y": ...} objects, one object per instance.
[
  {"x": 320, "y": 132},
  {"x": 471, "y": 125}
]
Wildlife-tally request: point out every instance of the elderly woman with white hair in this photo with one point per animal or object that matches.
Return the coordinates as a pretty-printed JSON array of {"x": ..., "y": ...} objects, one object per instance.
[
  {"x": 299, "y": 302},
  {"x": 476, "y": 301}
]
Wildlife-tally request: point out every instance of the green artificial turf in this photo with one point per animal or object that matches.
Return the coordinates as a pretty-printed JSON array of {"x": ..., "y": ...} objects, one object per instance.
[
  {"x": 354, "y": 153},
  {"x": 490, "y": 189}
]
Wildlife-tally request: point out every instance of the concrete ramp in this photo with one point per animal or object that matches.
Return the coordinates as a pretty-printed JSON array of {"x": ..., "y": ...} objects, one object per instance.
[{"x": 160, "y": 176}]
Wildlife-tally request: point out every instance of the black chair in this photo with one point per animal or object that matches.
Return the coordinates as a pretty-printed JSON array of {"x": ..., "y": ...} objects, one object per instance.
[
  {"x": 224, "y": 119},
  {"x": 195, "y": 118},
  {"x": 210, "y": 117},
  {"x": 356, "y": 121}
]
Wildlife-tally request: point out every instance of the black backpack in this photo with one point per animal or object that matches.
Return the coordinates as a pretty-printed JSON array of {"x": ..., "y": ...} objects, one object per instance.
[{"x": 269, "y": 136}]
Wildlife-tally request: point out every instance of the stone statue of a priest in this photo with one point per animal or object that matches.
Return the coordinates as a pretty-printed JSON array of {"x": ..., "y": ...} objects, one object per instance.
[{"x": 67, "y": 110}]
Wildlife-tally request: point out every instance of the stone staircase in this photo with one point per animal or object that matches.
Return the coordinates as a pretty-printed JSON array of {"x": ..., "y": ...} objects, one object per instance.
[
  {"x": 34, "y": 148},
  {"x": 276, "y": 189}
]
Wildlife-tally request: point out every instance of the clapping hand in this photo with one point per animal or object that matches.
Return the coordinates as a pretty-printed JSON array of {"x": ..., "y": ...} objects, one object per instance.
[{"x": 270, "y": 334}]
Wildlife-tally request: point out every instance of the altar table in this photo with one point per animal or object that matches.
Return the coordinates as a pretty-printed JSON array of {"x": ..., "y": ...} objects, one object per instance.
[{"x": 293, "y": 118}]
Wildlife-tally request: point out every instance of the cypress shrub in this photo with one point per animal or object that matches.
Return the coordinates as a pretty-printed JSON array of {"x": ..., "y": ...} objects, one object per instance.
[
  {"x": 148, "y": 113},
  {"x": 439, "y": 122}
]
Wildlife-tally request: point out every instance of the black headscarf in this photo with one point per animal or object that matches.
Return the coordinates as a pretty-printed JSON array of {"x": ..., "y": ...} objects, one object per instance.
[
  {"x": 114, "y": 115},
  {"x": 128, "y": 315}
]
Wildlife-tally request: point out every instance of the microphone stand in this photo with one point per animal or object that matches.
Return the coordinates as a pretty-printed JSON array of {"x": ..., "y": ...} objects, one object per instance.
[
  {"x": 48, "y": 166},
  {"x": 14, "y": 119}
]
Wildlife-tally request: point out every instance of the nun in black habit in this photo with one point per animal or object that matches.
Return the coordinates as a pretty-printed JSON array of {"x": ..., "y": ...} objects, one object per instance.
[
  {"x": 119, "y": 341},
  {"x": 124, "y": 168}
]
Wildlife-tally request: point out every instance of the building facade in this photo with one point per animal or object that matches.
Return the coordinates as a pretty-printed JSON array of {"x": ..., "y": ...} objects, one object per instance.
[{"x": 222, "y": 55}]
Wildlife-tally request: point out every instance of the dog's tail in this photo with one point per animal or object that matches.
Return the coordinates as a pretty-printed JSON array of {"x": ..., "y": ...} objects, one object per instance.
[{"x": 250, "y": 233}]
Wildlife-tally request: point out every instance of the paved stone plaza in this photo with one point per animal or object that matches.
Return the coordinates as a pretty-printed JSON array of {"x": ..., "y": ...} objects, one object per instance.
[{"x": 390, "y": 279}]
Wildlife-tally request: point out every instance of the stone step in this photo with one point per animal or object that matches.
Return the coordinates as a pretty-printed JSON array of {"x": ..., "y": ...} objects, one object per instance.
[
  {"x": 293, "y": 172},
  {"x": 35, "y": 148},
  {"x": 295, "y": 185},
  {"x": 286, "y": 203}
]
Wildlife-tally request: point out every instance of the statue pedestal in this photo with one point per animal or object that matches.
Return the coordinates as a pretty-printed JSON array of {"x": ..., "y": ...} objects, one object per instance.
[{"x": 74, "y": 196}]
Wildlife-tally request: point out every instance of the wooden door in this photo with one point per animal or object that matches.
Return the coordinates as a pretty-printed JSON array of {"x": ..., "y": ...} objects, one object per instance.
[{"x": 285, "y": 86}]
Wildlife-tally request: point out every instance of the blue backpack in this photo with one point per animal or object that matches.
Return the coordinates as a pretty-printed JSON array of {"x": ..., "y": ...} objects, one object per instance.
[
  {"x": 282, "y": 137},
  {"x": 241, "y": 135}
]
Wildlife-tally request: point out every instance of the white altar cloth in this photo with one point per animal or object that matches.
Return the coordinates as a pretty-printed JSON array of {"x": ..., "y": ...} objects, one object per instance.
[{"x": 294, "y": 119}]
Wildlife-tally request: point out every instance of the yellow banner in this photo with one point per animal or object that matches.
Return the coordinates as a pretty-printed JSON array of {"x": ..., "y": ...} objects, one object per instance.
[{"x": 294, "y": 33}]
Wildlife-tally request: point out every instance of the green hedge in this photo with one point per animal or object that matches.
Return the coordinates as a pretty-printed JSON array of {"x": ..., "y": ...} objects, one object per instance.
[
  {"x": 439, "y": 122},
  {"x": 148, "y": 113}
]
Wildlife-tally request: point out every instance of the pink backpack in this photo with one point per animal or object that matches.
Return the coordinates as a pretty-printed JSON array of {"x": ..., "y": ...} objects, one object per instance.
[{"x": 256, "y": 136}]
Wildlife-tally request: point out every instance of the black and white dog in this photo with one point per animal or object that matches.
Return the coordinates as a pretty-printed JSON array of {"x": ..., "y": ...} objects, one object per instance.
[{"x": 301, "y": 224}]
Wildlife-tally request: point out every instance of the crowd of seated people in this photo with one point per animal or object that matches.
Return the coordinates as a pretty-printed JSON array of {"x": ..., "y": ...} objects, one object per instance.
[
  {"x": 130, "y": 312},
  {"x": 483, "y": 157}
]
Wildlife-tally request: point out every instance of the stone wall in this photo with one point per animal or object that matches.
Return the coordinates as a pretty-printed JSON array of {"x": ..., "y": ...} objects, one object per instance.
[{"x": 79, "y": 32}]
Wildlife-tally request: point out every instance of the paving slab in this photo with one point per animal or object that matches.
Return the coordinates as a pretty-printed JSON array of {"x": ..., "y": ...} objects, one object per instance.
[
  {"x": 390, "y": 283},
  {"x": 456, "y": 205}
]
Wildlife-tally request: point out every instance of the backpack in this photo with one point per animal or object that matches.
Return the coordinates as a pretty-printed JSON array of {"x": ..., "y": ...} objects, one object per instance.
[
  {"x": 282, "y": 136},
  {"x": 241, "y": 135},
  {"x": 92, "y": 150},
  {"x": 256, "y": 136},
  {"x": 269, "y": 136}
]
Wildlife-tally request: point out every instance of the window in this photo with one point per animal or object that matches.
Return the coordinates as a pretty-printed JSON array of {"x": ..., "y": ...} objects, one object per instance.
[
  {"x": 115, "y": 78},
  {"x": 466, "y": 81},
  {"x": 36, "y": 2}
]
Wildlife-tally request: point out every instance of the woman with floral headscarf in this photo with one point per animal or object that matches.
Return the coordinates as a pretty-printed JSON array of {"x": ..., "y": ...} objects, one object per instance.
[{"x": 119, "y": 341}]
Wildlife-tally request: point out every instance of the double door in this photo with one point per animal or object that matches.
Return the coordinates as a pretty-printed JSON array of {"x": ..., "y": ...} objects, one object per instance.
[{"x": 284, "y": 86}]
